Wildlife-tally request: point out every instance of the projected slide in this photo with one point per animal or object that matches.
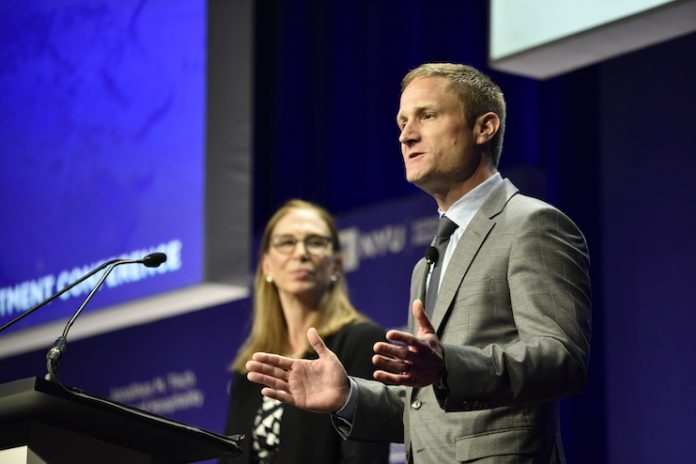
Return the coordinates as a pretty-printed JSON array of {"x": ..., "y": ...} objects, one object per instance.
[
  {"x": 545, "y": 38},
  {"x": 519, "y": 26},
  {"x": 103, "y": 141}
]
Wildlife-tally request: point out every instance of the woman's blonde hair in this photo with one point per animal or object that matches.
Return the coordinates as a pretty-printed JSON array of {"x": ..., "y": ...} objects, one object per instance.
[{"x": 269, "y": 331}]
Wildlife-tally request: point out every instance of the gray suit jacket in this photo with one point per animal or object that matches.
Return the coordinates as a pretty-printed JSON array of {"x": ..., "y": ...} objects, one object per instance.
[{"x": 513, "y": 314}]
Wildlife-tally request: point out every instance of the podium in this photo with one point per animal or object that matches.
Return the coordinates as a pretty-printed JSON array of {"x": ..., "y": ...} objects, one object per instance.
[{"x": 64, "y": 425}]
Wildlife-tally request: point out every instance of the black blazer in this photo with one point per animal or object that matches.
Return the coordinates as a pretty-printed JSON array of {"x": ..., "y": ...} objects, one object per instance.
[{"x": 305, "y": 436}]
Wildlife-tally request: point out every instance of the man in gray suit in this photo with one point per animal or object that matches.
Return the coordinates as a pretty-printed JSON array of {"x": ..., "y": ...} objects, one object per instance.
[{"x": 505, "y": 331}]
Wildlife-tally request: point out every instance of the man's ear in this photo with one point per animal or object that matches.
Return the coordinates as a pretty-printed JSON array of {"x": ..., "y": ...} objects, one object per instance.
[{"x": 486, "y": 127}]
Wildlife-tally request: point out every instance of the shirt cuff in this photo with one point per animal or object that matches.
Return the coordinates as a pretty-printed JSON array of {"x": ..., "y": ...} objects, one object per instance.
[{"x": 347, "y": 412}]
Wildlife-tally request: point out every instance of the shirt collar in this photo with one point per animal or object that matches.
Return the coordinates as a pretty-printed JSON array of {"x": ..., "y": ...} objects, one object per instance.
[{"x": 464, "y": 209}]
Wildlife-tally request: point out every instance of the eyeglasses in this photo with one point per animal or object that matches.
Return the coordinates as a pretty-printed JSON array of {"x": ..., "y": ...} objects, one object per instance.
[{"x": 316, "y": 245}]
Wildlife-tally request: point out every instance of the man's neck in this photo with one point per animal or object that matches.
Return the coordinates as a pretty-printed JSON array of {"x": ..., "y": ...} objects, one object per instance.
[{"x": 446, "y": 198}]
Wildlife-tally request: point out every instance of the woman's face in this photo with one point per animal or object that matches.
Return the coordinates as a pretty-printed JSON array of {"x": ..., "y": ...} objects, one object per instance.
[{"x": 301, "y": 258}]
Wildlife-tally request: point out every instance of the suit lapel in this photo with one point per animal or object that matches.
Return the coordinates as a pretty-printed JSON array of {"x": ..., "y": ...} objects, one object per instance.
[{"x": 471, "y": 241}]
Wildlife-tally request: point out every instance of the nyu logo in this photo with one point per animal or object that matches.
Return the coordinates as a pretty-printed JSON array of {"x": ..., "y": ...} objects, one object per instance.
[{"x": 390, "y": 239}]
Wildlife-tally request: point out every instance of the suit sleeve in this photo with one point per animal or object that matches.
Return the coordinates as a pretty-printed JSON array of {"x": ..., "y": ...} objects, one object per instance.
[
  {"x": 548, "y": 282},
  {"x": 379, "y": 412},
  {"x": 355, "y": 352}
]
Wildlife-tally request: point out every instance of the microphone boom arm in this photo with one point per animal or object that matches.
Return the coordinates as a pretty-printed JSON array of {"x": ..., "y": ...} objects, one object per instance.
[
  {"x": 56, "y": 352},
  {"x": 56, "y": 295},
  {"x": 59, "y": 346}
]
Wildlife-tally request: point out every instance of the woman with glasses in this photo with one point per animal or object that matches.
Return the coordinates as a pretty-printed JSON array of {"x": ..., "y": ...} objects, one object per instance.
[{"x": 299, "y": 284}]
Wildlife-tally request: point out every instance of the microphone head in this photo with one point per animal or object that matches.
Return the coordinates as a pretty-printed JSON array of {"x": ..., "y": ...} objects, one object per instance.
[
  {"x": 431, "y": 254},
  {"x": 154, "y": 259}
]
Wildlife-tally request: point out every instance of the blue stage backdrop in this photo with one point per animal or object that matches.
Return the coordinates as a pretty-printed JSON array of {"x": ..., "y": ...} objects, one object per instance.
[
  {"x": 102, "y": 139},
  {"x": 611, "y": 145}
]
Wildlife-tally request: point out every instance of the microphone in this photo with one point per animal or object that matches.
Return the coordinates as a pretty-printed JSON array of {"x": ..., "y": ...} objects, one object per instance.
[
  {"x": 154, "y": 259},
  {"x": 431, "y": 255},
  {"x": 58, "y": 348}
]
